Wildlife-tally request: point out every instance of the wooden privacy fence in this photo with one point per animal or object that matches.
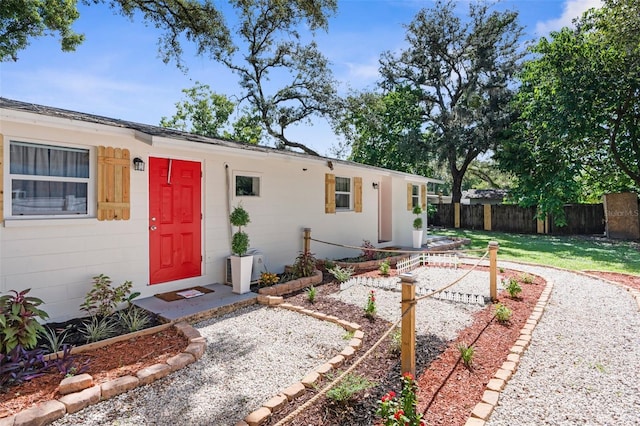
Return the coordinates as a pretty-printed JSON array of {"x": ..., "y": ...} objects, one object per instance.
[{"x": 582, "y": 219}]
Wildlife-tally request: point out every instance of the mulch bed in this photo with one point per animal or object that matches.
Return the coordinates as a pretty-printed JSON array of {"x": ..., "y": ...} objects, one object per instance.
[{"x": 448, "y": 391}]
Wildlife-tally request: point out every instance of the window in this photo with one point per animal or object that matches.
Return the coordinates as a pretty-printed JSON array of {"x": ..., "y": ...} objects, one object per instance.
[
  {"x": 247, "y": 186},
  {"x": 48, "y": 180},
  {"x": 415, "y": 195},
  {"x": 343, "y": 193}
]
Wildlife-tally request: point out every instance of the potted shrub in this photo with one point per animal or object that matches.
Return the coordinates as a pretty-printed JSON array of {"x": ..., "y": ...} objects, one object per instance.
[
  {"x": 417, "y": 227},
  {"x": 241, "y": 263}
]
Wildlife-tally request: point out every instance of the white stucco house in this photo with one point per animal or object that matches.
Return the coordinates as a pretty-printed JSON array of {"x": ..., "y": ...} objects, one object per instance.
[{"x": 75, "y": 203}]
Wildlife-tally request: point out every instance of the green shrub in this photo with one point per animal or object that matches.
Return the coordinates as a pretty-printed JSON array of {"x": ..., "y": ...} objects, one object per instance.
[
  {"x": 311, "y": 294},
  {"x": 346, "y": 390},
  {"x": 385, "y": 268},
  {"x": 240, "y": 240},
  {"x": 502, "y": 313},
  {"x": 526, "y": 278},
  {"x": 396, "y": 341},
  {"x": 54, "y": 341},
  {"x": 102, "y": 300},
  {"x": 304, "y": 265},
  {"x": 133, "y": 319},
  {"x": 466, "y": 354},
  {"x": 97, "y": 329},
  {"x": 341, "y": 274},
  {"x": 18, "y": 323},
  {"x": 512, "y": 287}
]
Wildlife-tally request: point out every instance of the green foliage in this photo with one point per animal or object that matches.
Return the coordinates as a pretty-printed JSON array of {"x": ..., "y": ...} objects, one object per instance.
[
  {"x": 417, "y": 222},
  {"x": 203, "y": 112},
  {"x": 240, "y": 243},
  {"x": 576, "y": 137},
  {"x": 461, "y": 82},
  {"x": 502, "y": 313},
  {"x": 341, "y": 274},
  {"x": 526, "y": 278},
  {"x": 240, "y": 240},
  {"x": 402, "y": 410},
  {"x": 18, "y": 321},
  {"x": 512, "y": 286},
  {"x": 133, "y": 319},
  {"x": 22, "y": 20},
  {"x": 466, "y": 354},
  {"x": 54, "y": 341},
  {"x": 97, "y": 329},
  {"x": 396, "y": 341},
  {"x": 345, "y": 391},
  {"x": 329, "y": 264},
  {"x": 102, "y": 299},
  {"x": 311, "y": 292},
  {"x": 304, "y": 265},
  {"x": 384, "y": 268}
]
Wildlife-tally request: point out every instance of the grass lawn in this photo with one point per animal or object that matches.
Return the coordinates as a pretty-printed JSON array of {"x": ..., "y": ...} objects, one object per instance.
[{"x": 577, "y": 253}]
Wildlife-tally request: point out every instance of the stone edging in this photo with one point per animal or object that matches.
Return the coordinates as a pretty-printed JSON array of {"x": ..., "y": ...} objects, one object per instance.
[
  {"x": 292, "y": 286},
  {"x": 80, "y": 391},
  {"x": 482, "y": 411},
  {"x": 279, "y": 401}
]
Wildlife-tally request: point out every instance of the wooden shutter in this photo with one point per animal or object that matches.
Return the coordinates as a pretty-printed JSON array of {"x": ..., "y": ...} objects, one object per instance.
[
  {"x": 409, "y": 197},
  {"x": 329, "y": 193},
  {"x": 357, "y": 189},
  {"x": 1, "y": 177},
  {"x": 423, "y": 196},
  {"x": 113, "y": 183}
]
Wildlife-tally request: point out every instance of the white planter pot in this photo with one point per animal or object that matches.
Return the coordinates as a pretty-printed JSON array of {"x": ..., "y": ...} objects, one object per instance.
[
  {"x": 417, "y": 238},
  {"x": 241, "y": 273}
]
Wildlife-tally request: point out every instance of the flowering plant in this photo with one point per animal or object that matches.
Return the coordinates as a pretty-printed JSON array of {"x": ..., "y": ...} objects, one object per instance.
[
  {"x": 401, "y": 411},
  {"x": 268, "y": 278},
  {"x": 370, "y": 307}
]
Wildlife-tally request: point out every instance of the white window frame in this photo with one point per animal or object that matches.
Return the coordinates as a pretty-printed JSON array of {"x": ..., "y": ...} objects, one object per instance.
[
  {"x": 9, "y": 177},
  {"x": 348, "y": 193},
  {"x": 415, "y": 195},
  {"x": 250, "y": 175}
]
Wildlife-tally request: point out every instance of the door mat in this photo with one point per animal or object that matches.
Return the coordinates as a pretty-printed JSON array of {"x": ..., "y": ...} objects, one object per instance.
[{"x": 188, "y": 293}]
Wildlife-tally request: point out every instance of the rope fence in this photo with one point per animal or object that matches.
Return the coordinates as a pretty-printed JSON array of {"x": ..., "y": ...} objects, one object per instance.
[{"x": 411, "y": 304}]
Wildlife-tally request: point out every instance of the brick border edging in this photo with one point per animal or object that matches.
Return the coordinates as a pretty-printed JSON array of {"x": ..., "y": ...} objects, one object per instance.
[
  {"x": 483, "y": 409},
  {"x": 279, "y": 401},
  {"x": 292, "y": 286},
  {"x": 78, "y": 392}
]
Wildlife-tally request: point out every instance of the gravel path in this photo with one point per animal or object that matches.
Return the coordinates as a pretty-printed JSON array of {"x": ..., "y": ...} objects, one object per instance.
[
  {"x": 252, "y": 354},
  {"x": 583, "y": 364}
]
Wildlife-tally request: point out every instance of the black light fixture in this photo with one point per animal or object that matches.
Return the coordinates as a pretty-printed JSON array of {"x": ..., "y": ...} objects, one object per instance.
[
  {"x": 138, "y": 164},
  {"x": 375, "y": 185}
]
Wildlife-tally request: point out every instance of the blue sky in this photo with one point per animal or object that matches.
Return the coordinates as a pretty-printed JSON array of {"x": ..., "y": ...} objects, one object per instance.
[{"x": 117, "y": 72}]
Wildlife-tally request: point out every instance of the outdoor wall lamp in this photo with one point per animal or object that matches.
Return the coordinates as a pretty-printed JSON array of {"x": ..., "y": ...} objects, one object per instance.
[
  {"x": 138, "y": 164},
  {"x": 375, "y": 185}
]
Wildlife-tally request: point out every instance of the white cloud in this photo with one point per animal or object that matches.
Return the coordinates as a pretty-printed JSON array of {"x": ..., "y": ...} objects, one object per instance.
[{"x": 572, "y": 9}]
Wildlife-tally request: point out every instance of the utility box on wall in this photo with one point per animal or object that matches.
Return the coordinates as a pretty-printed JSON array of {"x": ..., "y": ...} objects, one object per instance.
[{"x": 621, "y": 215}]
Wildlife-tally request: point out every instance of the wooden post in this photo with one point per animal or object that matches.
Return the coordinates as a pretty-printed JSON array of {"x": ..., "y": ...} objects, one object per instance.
[
  {"x": 408, "y": 347},
  {"x": 456, "y": 215},
  {"x": 487, "y": 217},
  {"x": 307, "y": 240},
  {"x": 493, "y": 273}
]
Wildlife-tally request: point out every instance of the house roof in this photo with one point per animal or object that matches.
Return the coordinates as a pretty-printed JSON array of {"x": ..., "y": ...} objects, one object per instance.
[
  {"x": 488, "y": 194},
  {"x": 158, "y": 131}
]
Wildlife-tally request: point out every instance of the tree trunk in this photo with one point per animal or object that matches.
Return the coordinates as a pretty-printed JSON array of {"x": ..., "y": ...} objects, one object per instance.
[{"x": 456, "y": 187}]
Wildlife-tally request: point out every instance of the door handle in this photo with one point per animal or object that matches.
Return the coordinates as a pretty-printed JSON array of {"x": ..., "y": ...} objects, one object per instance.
[{"x": 153, "y": 228}]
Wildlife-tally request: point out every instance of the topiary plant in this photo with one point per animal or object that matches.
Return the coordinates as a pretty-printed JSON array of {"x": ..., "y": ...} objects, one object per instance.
[
  {"x": 240, "y": 240},
  {"x": 417, "y": 222}
]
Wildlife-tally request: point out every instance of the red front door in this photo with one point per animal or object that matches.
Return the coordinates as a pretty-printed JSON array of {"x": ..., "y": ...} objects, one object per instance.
[{"x": 174, "y": 220}]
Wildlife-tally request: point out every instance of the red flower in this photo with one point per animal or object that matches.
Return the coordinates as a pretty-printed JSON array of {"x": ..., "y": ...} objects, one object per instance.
[
  {"x": 398, "y": 414},
  {"x": 392, "y": 394},
  {"x": 408, "y": 376}
]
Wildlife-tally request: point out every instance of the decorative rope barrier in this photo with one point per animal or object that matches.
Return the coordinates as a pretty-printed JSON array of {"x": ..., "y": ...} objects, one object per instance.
[
  {"x": 383, "y": 250},
  {"x": 357, "y": 362}
]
